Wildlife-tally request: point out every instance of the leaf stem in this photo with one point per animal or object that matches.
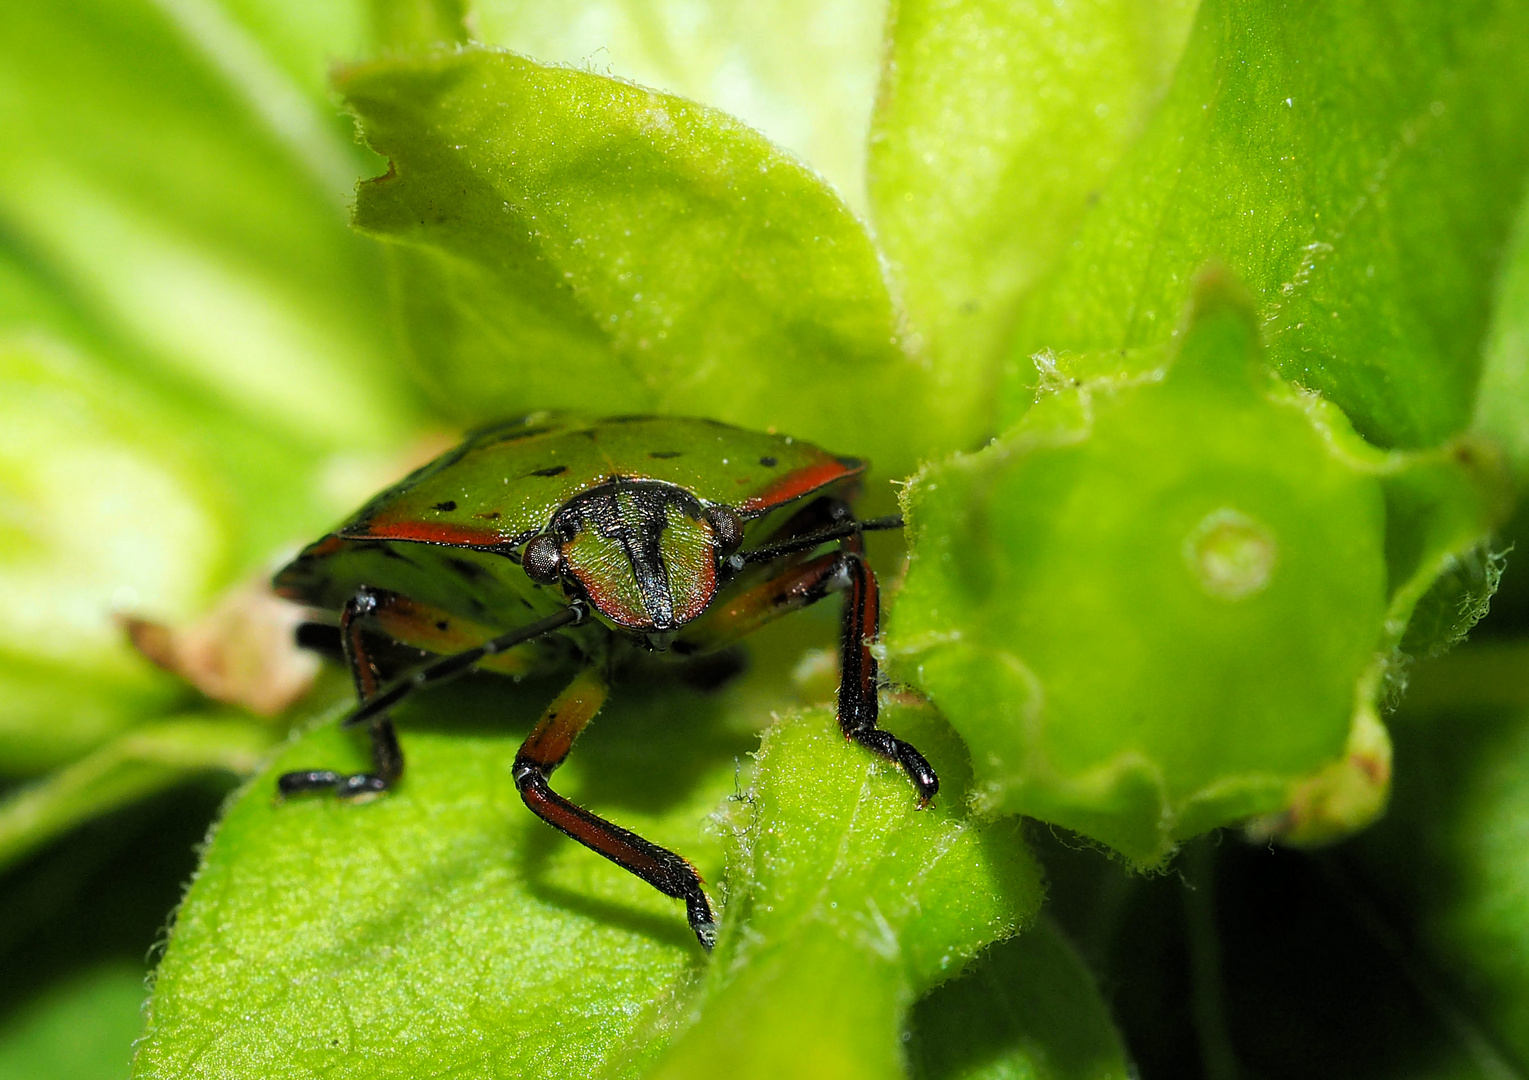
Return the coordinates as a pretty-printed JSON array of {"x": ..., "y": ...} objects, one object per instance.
[
  {"x": 138, "y": 763},
  {"x": 1217, "y": 1054}
]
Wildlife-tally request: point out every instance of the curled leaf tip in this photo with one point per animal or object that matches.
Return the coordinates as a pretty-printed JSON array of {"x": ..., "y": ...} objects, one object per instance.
[{"x": 1342, "y": 797}]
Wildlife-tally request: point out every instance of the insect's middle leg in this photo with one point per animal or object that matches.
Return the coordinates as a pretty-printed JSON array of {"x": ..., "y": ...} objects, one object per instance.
[
  {"x": 424, "y": 626},
  {"x": 387, "y": 755},
  {"x": 545, "y": 749}
]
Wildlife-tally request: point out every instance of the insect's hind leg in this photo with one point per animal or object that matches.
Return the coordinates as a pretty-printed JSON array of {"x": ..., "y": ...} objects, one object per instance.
[
  {"x": 546, "y": 748},
  {"x": 387, "y": 755}
]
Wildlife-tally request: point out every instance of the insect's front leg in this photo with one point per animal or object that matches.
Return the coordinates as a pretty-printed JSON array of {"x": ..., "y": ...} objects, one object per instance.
[
  {"x": 796, "y": 586},
  {"x": 387, "y": 755},
  {"x": 858, "y": 681},
  {"x": 546, "y": 748}
]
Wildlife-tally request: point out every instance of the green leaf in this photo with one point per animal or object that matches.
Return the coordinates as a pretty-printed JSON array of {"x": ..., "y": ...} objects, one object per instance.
[
  {"x": 1502, "y": 403},
  {"x": 997, "y": 124},
  {"x": 568, "y": 240},
  {"x": 280, "y": 50},
  {"x": 800, "y": 71},
  {"x": 316, "y": 933},
  {"x": 1160, "y": 604},
  {"x": 845, "y": 903},
  {"x": 94, "y": 519},
  {"x": 442, "y": 927},
  {"x": 1029, "y": 1008},
  {"x": 147, "y": 759},
  {"x": 117, "y": 500},
  {"x": 182, "y": 194},
  {"x": 1357, "y": 164},
  {"x": 188, "y": 332}
]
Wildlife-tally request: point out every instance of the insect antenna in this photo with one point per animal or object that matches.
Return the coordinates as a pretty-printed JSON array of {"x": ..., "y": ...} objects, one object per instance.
[
  {"x": 812, "y": 540},
  {"x": 449, "y": 667}
]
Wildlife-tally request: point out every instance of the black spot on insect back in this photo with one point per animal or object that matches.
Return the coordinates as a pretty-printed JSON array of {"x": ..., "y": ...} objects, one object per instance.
[
  {"x": 767, "y": 461},
  {"x": 554, "y": 470},
  {"x": 447, "y": 505},
  {"x": 665, "y": 455}
]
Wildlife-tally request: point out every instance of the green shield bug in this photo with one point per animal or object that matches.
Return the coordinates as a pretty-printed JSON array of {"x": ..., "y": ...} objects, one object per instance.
[{"x": 555, "y": 538}]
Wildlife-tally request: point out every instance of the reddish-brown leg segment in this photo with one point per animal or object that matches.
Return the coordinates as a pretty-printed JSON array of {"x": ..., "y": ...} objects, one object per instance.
[{"x": 545, "y": 749}]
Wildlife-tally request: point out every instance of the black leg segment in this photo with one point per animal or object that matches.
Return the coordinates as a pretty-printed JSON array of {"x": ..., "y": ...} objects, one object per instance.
[{"x": 387, "y": 757}]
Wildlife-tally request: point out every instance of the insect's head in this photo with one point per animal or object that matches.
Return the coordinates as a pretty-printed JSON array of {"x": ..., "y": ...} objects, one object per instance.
[{"x": 645, "y": 553}]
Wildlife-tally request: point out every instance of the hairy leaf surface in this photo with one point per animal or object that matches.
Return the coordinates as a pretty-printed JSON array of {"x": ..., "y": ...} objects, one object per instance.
[
  {"x": 1160, "y": 604},
  {"x": 1358, "y": 165},
  {"x": 445, "y": 928},
  {"x": 562, "y": 239}
]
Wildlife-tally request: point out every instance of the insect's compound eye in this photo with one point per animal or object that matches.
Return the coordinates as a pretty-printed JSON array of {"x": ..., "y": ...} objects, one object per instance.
[
  {"x": 727, "y": 526},
  {"x": 542, "y": 559}
]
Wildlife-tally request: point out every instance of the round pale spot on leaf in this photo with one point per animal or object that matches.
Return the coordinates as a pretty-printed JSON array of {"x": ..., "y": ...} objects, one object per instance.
[{"x": 1231, "y": 555}]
